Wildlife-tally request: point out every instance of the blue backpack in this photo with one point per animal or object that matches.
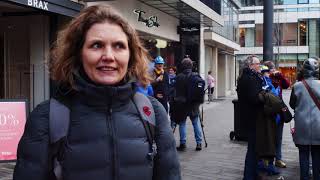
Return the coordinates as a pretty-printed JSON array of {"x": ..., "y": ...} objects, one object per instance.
[
  {"x": 59, "y": 120},
  {"x": 196, "y": 88}
]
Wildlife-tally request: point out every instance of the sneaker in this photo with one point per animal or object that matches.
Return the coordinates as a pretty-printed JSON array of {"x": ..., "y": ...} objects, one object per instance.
[
  {"x": 182, "y": 147},
  {"x": 199, "y": 147},
  {"x": 272, "y": 170},
  {"x": 261, "y": 166},
  {"x": 280, "y": 164}
]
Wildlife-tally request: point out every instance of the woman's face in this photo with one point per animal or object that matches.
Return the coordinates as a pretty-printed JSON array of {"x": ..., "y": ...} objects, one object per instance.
[
  {"x": 105, "y": 53},
  {"x": 171, "y": 71}
]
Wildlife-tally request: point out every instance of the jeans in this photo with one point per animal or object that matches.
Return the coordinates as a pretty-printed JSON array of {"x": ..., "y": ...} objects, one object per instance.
[
  {"x": 196, "y": 128},
  {"x": 304, "y": 151},
  {"x": 279, "y": 141},
  {"x": 250, "y": 167}
]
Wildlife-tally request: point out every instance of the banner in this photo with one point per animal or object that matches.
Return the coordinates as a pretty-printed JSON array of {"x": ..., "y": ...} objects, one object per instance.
[{"x": 13, "y": 115}]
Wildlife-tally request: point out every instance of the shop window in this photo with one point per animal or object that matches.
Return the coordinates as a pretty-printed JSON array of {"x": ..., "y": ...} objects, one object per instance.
[
  {"x": 283, "y": 2},
  {"x": 303, "y": 1},
  {"x": 303, "y": 33},
  {"x": 289, "y": 34},
  {"x": 259, "y": 35},
  {"x": 314, "y": 1}
]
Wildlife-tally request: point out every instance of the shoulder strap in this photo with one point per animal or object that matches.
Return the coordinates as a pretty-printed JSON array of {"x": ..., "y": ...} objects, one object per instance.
[
  {"x": 148, "y": 119},
  {"x": 59, "y": 120},
  {"x": 314, "y": 98}
]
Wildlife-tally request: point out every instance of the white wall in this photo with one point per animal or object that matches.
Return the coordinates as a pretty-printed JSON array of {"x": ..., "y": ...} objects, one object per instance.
[
  {"x": 281, "y": 17},
  {"x": 168, "y": 24},
  {"x": 39, "y": 48},
  {"x": 221, "y": 88},
  {"x": 211, "y": 64}
]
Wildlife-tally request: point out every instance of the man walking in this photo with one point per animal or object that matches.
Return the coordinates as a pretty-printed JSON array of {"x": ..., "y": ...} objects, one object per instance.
[{"x": 184, "y": 108}]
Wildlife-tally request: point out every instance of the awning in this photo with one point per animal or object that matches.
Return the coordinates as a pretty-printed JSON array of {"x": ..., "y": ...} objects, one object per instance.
[
  {"x": 188, "y": 11},
  {"x": 64, "y": 7}
]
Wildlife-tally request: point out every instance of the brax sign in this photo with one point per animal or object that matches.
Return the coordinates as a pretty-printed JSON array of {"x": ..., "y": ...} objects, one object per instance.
[{"x": 38, "y": 4}]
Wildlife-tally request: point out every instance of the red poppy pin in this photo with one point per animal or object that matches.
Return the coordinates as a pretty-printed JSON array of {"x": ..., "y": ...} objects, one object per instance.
[{"x": 147, "y": 110}]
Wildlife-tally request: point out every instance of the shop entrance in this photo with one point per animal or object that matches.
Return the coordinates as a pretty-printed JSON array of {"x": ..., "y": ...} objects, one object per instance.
[{"x": 14, "y": 58}]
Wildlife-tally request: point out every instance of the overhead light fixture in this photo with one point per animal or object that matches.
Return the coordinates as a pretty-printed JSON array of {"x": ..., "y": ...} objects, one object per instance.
[{"x": 161, "y": 43}]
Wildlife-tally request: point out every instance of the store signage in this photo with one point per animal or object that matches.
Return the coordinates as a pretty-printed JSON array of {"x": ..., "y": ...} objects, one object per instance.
[
  {"x": 151, "y": 21},
  {"x": 38, "y": 4},
  {"x": 13, "y": 115},
  {"x": 190, "y": 29}
]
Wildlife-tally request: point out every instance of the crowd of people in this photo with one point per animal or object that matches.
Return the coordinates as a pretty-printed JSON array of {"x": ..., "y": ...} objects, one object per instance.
[
  {"x": 262, "y": 108},
  {"x": 100, "y": 65}
]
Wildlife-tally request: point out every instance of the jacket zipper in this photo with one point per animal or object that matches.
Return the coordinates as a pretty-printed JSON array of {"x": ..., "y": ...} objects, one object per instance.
[{"x": 114, "y": 143}]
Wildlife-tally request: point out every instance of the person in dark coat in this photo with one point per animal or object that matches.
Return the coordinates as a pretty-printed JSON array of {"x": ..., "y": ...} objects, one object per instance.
[
  {"x": 98, "y": 58},
  {"x": 160, "y": 82},
  {"x": 182, "y": 108},
  {"x": 248, "y": 89}
]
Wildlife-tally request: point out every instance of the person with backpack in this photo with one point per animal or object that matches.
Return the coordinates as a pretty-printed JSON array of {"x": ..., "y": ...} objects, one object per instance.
[
  {"x": 189, "y": 95},
  {"x": 97, "y": 126}
]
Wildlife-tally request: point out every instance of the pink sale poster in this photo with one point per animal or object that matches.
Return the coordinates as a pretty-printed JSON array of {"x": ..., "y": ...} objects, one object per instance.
[{"x": 12, "y": 121}]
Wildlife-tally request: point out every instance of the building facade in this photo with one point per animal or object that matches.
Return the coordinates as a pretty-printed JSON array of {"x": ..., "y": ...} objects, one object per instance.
[
  {"x": 27, "y": 30},
  {"x": 205, "y": 30},
  {"x": 296, "y": 32}
]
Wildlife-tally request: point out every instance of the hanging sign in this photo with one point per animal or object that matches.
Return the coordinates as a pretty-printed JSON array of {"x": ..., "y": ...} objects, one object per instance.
[
  {"x": 13, "y": 116},
  {"x": 151, "y": 21}
]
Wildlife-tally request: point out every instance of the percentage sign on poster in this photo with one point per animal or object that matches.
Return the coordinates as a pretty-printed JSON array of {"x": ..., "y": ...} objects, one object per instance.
[
  {"x": 3, "y": 120},
  {"x": 8, "y": 120}
]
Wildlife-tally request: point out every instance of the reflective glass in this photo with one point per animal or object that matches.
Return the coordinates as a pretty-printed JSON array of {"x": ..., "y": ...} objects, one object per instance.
[
  {"x": 314, "y": 1},
  {"x": 303, "y": 1}
]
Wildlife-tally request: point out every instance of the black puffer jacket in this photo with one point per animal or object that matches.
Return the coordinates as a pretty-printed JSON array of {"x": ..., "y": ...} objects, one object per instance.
[{"x": 106, "y": 139}]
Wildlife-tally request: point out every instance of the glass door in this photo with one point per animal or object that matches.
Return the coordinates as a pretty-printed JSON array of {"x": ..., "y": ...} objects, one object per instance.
[{"x": 14, "y": 60}]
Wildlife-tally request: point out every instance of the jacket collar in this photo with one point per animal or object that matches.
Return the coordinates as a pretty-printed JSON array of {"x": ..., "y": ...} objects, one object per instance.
[{"x": 102, "y": 95}]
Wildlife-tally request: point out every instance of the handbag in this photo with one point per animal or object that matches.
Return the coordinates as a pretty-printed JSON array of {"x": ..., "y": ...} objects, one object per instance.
[
  {"x": 314, "y": 98},
  {"x": 285, "y": 114}
]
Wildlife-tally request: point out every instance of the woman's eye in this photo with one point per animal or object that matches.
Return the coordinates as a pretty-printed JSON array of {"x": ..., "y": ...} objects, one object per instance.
[
  {"x": 120, "y": 46},
  {"x": 96, "y": 45}
]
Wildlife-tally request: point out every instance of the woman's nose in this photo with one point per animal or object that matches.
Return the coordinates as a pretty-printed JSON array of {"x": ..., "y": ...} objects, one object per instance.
[{"x": 108, "y": 54}]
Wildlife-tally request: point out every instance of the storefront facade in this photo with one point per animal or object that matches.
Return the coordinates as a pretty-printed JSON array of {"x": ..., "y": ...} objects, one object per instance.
[{"x": 27, "y": 30}]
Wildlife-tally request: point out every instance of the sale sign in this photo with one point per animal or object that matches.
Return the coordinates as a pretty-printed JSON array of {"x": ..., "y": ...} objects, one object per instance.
[{"x": 13, "y": 117}]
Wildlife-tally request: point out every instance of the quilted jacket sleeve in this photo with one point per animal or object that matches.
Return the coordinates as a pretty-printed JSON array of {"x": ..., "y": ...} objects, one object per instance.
[
  {"x": 166, "y": 164},
  {"x": 32, "y": 156}
]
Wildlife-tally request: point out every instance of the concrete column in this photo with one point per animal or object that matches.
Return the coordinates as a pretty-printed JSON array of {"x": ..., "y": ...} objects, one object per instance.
[
  {"x": 233, "y": 74},
  {"x": 221, "y": 88},
  {"x": 202, "y": 54},
  {"x": 214, "y": 70}
]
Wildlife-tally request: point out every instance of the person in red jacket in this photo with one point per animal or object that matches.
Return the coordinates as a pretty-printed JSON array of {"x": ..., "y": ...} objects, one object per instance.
[{"x": 278, "y": 80}]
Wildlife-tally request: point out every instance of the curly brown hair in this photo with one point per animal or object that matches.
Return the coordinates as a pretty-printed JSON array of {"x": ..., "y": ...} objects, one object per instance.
[{"x": 66, "y": 52}]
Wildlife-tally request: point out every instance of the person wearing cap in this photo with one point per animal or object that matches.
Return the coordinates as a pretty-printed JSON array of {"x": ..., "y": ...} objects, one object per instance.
[
  {"x": 280, "y": 83},
  {"x": 160, "y": 82},
  {"x": 307, "y": 118}
]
